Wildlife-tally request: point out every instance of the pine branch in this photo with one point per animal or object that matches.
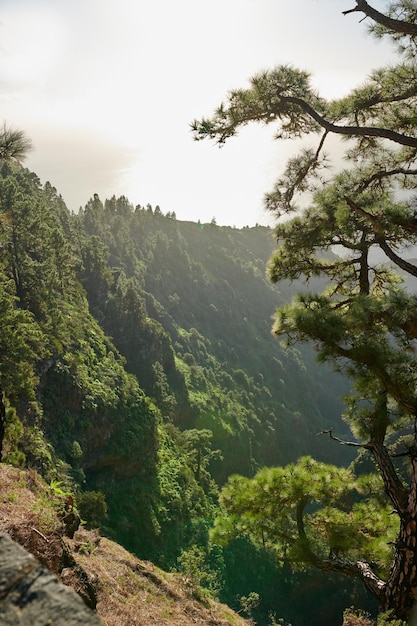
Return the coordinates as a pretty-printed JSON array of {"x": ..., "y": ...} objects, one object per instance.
[
  {"x": 353, "y": 444},
  {"x": 398, "y": 26},
  {"x": 355, "y": 569},
  {"x": 394, "y": 488},
  {"x": 401, "y": 263},
  {"x": 353, "y": 131},
  {"x": 381, "y": 239},
  {"x": 386, "y": 174}
]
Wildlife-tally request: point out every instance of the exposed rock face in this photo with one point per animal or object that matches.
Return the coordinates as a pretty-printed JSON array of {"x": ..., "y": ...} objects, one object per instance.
[{"x": 31, "y": 596}]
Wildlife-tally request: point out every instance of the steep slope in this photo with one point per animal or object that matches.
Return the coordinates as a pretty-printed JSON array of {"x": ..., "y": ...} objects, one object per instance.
[
  {"x": 139, "y": 372},
  {"x": 119, "y": 587},
  {"x": 206, "y": 286}
]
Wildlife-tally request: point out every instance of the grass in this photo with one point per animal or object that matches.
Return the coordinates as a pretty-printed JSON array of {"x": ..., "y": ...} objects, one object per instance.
[{"x": 128, "y": 590}]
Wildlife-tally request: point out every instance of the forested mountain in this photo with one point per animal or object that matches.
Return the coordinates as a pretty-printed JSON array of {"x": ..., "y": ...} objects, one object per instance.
[
  {"x": 216, "y": 364},
  {"x": 139, "y": 370}
]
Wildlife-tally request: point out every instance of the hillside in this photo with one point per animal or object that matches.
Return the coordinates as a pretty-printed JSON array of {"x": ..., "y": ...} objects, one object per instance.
[
  {"x": 140, "y": 372},
  {"x": 122, "y": 589},
  {"x": 207, "y": 286}
]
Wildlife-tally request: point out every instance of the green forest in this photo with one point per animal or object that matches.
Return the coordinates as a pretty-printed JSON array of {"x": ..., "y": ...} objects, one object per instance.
[
  {"x": 236, "y": 404},
  {"x": 139, "y": 371}
]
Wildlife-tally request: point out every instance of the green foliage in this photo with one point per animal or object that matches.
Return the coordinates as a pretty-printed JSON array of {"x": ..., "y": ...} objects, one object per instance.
[
  {"x": 198, "y": 448},
  {"x": 38, "y": 452},
  {"x": 194, "y": 565},
  {"x": 50, "y": 506},
  {"x": 268, "y": 509},
  {"x": 187, "y": 499},
  {"x": 14, "y": 144},
  {"x": 309, "y": 512},
  {"x": 12, "y": 436},
  {"x": 76, "y": 452},
  {"x": 92, "y": 508},
  {"x": 249, "y": 602},
  {"x": 388, "y": 619},
  {"x": 360, "y": 213},
  {"x": 361, "y": 618},
  {"x": 139, "y": 369},
  {"x": 172, "y": 307},
  {"x": 301, "y": 597},
  {"x": 22, "y": 344},
  {"x": 171, "y": 297}
]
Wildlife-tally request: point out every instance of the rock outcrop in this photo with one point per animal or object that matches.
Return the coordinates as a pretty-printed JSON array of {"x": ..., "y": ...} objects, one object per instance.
[{"x": 31, "y": 596}]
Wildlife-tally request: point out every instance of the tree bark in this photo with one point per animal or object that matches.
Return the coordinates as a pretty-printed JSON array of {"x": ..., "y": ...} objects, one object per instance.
[
  {"x": 400, "y": 594},
  {"x": 2, "y": 421},
  {"x": 357, "y": 569}
]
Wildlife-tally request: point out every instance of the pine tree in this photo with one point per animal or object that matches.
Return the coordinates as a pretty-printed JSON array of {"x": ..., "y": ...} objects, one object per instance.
[
  {"x": 16, "y": 368},
  {"x": 364, "y": 323}
]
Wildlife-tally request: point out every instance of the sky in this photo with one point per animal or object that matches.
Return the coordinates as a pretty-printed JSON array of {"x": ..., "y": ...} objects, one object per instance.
[{"x": 107, "y": 89}]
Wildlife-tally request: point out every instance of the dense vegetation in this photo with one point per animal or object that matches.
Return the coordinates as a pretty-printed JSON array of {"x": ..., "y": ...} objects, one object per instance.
[
  {"x": 139, "y": 372},
  {"x": 362, "y": 525}
]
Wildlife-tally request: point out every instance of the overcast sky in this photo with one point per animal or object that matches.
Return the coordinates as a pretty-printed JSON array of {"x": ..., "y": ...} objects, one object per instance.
[{"x": 106, "y": 89}]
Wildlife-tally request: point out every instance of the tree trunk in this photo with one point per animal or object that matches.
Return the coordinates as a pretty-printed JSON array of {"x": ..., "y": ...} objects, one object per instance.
[
  {"x": 401, "y": 587},
  {"x": 2, "y": 421}
]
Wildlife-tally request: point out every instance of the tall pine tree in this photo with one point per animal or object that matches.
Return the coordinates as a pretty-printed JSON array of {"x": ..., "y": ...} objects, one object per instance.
[{"x": 365, "y": 321}]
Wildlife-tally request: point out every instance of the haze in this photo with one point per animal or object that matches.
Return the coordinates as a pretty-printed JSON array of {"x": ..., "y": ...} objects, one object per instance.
[{"x": 107, "y": 89}]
